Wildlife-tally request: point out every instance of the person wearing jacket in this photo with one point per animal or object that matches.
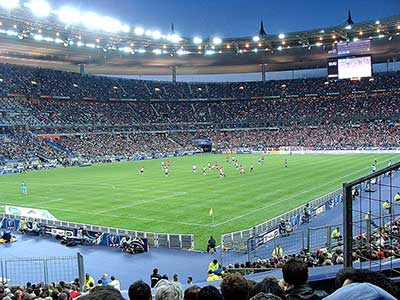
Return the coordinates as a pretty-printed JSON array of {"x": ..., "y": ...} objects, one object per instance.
[{"x": 295, "y": 277}]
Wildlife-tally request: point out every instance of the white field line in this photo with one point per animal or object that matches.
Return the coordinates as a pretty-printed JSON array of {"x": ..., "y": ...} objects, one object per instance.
[
  {"x": 288, "y": 198},
  {"x": 141, "y": 202}
]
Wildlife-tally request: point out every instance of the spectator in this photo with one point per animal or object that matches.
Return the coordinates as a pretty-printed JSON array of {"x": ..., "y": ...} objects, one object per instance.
[
  {"x": 102, "y": 293},
  {"x": 211, "y": 244},
  {"x": 169, "y": 291},
  {"x": 155, "y": 277},
  {"x": 268, "y": 285},
  {"x": 115, "y": 283},
  {"x": 191, "y": 293},
  {"x": 356, "y": 291},
  {"x": 295, "y": 277},
  {"x": 189, "y": 280},
  {"x": 234, "y": 287},
  {"x": 104, "y": 279},
  {"x": 139, "y": 290},
  {"x": 209, "y": 293}
]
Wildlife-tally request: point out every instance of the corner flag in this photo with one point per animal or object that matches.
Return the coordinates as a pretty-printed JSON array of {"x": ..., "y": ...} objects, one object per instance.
[{"x": 211, "y": 212}]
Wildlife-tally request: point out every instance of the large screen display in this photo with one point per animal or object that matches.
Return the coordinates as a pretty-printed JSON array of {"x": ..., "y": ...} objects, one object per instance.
[{"x": 354, "y": 67}]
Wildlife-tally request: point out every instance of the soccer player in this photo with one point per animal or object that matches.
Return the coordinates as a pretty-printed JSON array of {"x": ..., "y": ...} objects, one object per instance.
[
  {"x": 204, "y": 171},
  {"x": 241, "y": 170},
  {"x": 222, "y": 172},
  {"x": 209, "y": 166},
  {"x": 259, "y": 160},
  {"x": 194, "y": 168},
  {"x": 389, "y": 163},
  {"x": 141, "y": 170},
  {"x": 166, "y": 172},
  {"x": 251, "y": 168},
  {"x": 24, "y": 188},
  {"x": 373, "y": 168},
  {"x": 168, "y": 162},
  {"x": 227, "y": 158},
  {"x": 286, "y": 163}
]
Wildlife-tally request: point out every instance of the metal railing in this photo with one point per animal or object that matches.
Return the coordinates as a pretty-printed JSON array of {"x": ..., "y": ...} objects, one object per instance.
[
  {"x": 371, "y": 218},
  {"x": 19, "y": 271},
  {"x": 237, "y": 241}
]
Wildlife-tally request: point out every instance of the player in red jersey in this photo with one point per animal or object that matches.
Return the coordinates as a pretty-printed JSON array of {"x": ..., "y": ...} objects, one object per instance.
[
  {"x": 286, "y": 163},
  {"x": 227, "y": 158}
]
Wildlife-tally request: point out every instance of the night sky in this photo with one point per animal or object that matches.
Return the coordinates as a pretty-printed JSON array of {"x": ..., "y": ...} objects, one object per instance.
[{"x": 228, "y": 18}]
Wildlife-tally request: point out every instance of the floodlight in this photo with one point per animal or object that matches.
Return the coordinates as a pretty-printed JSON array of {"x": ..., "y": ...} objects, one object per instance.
[
  {"x": 139, "y": 31},
  {"x": 91, "y": 20},
  {"x": 209, "y": 52},
  {"x": 197, "y": 40},
  {"x": 256, "y": 38},
  {"x": 9, "y": 4},
  {"x": 157, "y": 51},
  {"x": 281, "y": 36},
  {"x": 182, "y": 52},
  {"x": 217, "y": 41},
  {"x": 69, "y": 15},
  {"x": 39, "y": 8},
  {"x": 141, "y": 50},
  {"x": 80, "y": 44},
  {"x": 348, "y": 27},
  {"x": 156, "y": 35},
  {"x": 174, "y": 38},
  {"x": 38, "y": 37}
]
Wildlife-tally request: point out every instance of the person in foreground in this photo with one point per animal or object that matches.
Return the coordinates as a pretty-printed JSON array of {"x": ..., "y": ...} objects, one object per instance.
[{"x": 294, "y": 284}]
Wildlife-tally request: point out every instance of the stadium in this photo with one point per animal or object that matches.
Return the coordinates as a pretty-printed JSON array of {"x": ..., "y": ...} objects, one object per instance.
[{"x": 145, "y": 163}]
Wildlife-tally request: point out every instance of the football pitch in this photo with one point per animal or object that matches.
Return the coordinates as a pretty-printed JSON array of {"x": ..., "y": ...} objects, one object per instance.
[{"x": 117, "y": 195}]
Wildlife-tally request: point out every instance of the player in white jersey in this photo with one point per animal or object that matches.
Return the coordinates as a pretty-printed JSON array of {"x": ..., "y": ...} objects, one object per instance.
[
  {"x": 194, "y": 168},
  {"x": 141, "y": 171},
  {"x": 374, "y": 168},
  {"x": 166, "y": 172},
  {"x": 389, "y": 163},
  {"x": 204, "y": 171}
]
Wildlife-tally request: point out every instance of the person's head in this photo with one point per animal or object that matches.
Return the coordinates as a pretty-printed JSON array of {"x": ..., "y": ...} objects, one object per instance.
[
  {"x": 155, "y": 271},
  {"x": 215, "y": 261},
  {"x": 209, "y": 293},
  {"x": 63, "y": 296},
  {"x": 103, "y": 293},
  {"x": 234, "y": 287},
  {"x": 87, "y": 276},
  {"x": 175, "y": 277},
  {"x": 99, "y": 282},
  {"x": 189, "y": 280},
  {"x": 105, "y": 276},
  {"x": 268, "y": 285},
  {"x": 192, "y": 293},
  {"x": 348, "y": 276},
  {"x": 211, "y": 237},
  {"x": 295, "y": 272},
  {"x": 169, "y": 291},
  {"x": 139, "y": 290}
]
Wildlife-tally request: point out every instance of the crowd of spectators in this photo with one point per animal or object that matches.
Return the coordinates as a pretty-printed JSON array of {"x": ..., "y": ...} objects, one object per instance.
[
  {"x": 349, "y": 284},
  {"x": 38, "y": 82},
  {"x": 88, "y": 114}
]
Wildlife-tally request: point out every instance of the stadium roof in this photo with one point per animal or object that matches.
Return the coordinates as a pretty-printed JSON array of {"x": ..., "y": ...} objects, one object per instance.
[{"x": 115, "y": 48}]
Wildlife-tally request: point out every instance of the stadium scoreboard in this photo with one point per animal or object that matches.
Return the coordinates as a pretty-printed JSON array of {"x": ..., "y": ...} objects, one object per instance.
[{"x": 350, "y": 67}]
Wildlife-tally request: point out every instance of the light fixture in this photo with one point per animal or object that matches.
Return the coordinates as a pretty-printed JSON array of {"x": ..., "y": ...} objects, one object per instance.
[
  {"x": 157, "y": 51},
  {"x": 156, "y": 35},
  {"x": 197, "y": 40},
  {"x": 39, "y": 8},
  {"x": 69, "y": 15},
  {"x": 9, "y": 4},
  {"x": 348, "y": 27},
  {"x": 139, "y": 31},
  {"x": 256, "y": 38},
  {"x": 217, "y": 41},
  {"x": 209, "y": 52},
  {"x": 281, "y": 36}
]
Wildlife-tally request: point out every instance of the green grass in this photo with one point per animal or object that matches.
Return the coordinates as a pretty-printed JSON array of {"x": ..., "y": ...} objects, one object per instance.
[{"x": 116, "y": 195}]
